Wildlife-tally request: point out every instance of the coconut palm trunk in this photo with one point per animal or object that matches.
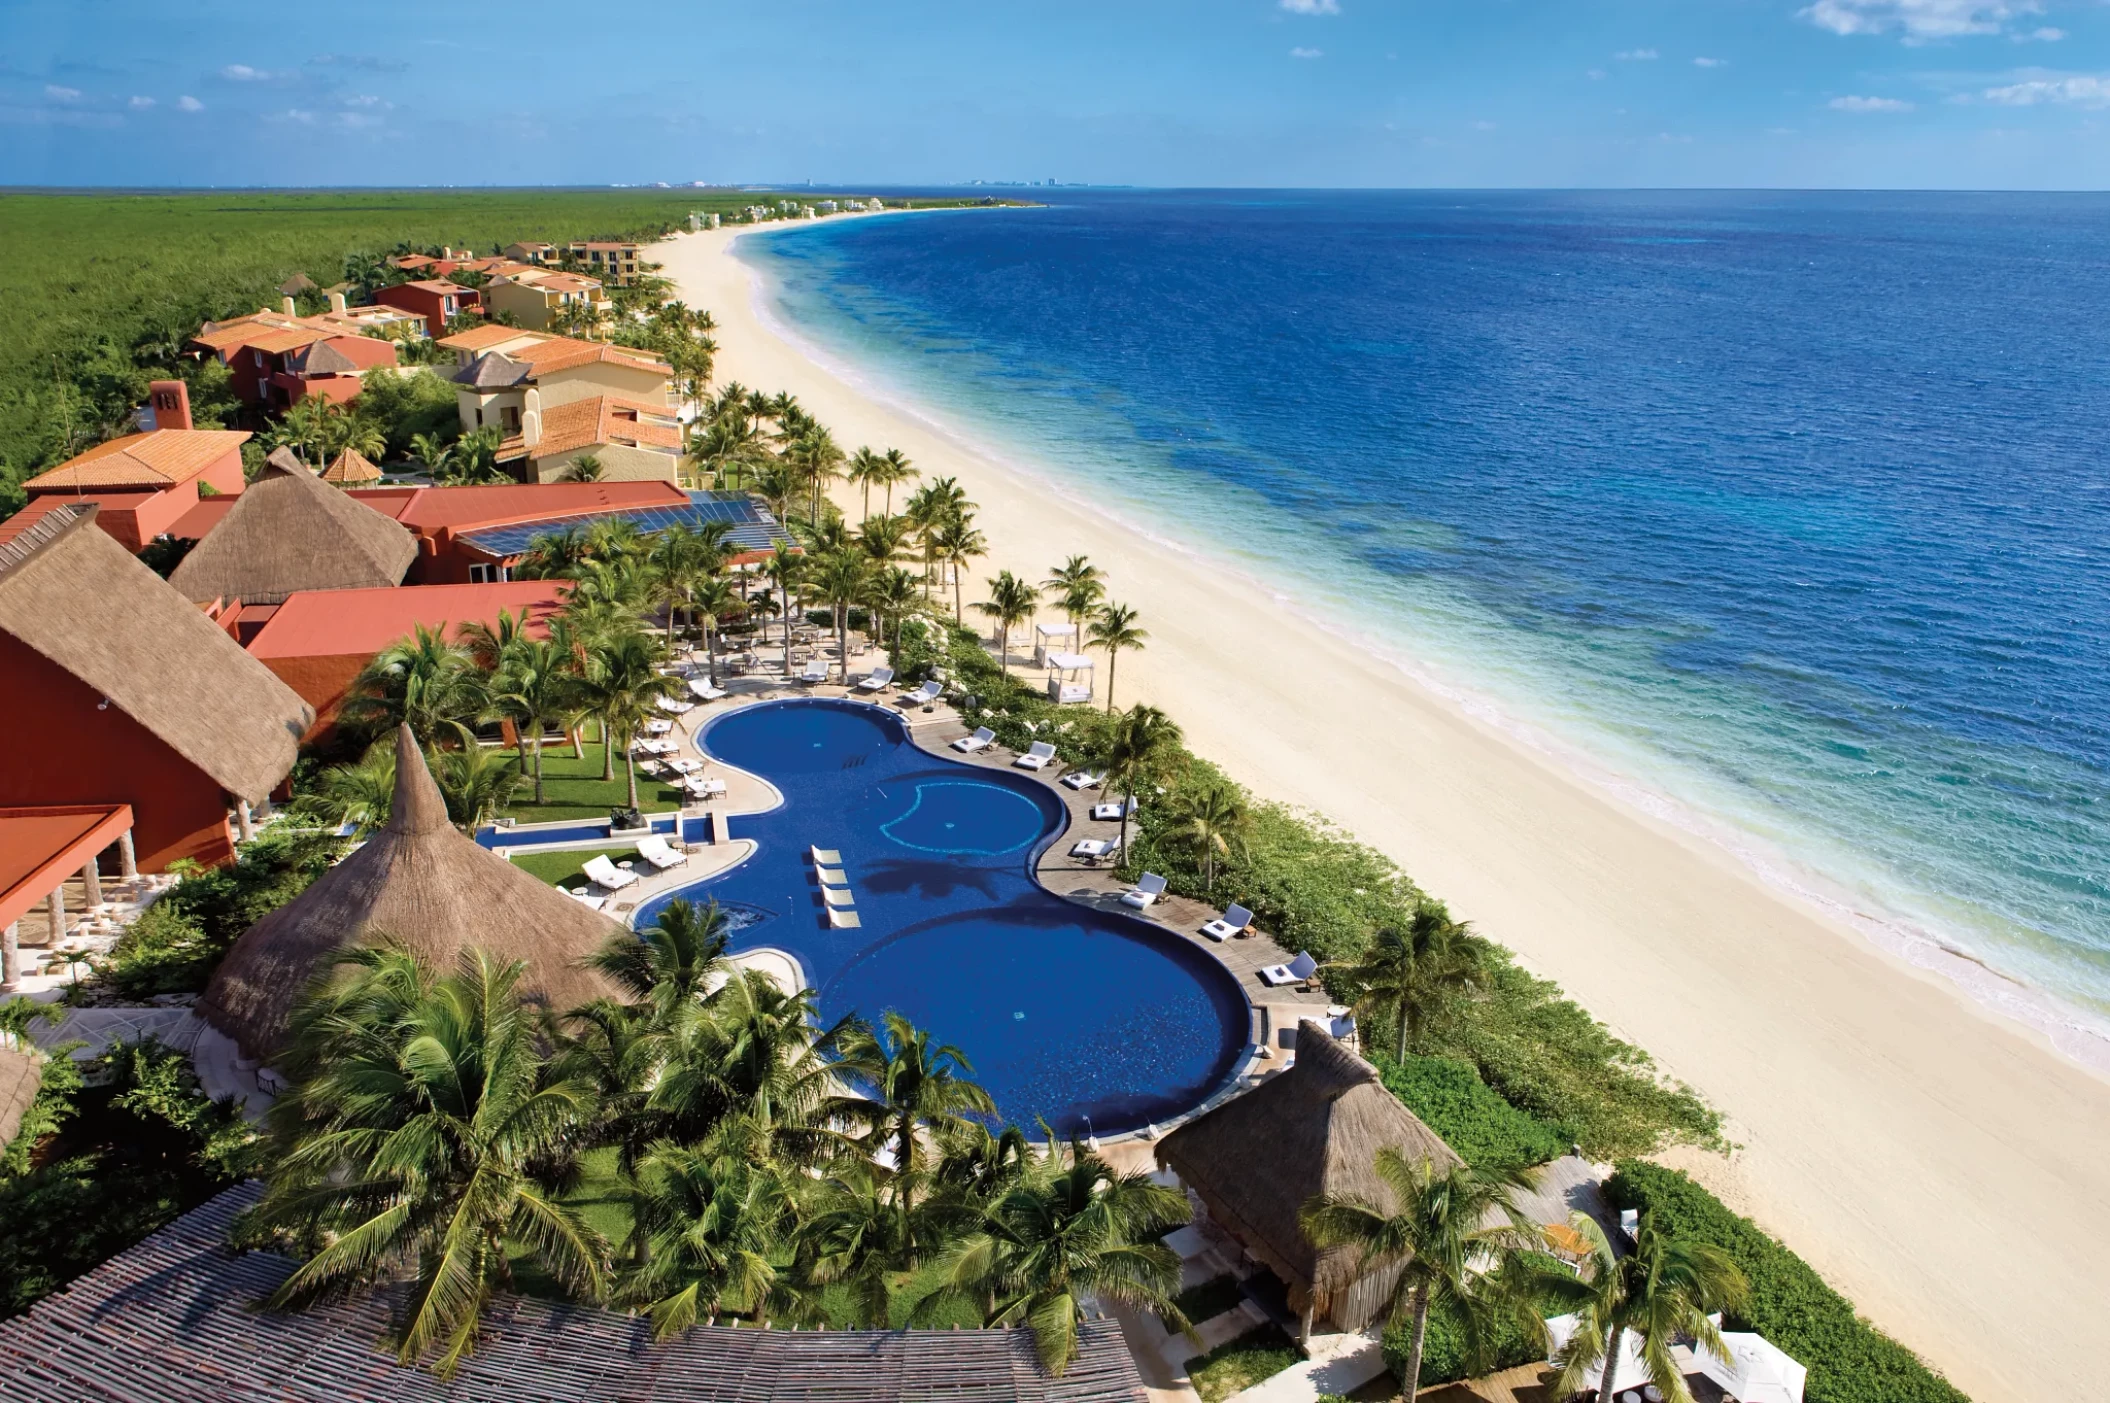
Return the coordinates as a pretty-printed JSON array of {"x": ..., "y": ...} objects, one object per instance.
[
  {"x": 1420, "y": 1338},
  {"x": 1611, "y": 1362}
]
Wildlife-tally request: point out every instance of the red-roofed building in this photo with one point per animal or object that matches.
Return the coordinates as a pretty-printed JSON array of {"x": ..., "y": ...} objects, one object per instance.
[
  {"x": 442, "y": 518},
  {"x": 435, "y": 299},
  {"x": 143, "y": 483},
  {"x": 319, "y": 639}
]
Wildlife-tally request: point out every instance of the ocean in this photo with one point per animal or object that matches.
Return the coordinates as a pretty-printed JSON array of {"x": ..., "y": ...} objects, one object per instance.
[{"x": 1783, "y": 515}]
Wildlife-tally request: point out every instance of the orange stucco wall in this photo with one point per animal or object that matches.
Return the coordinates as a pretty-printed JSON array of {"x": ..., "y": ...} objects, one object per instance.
[
  {"x": 322, "y": 683},
  {"x": 68, "y": 752}
]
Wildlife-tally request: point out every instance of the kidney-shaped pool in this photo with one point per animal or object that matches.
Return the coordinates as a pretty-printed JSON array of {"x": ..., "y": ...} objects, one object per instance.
[{"x": 1067, "y": 1013}]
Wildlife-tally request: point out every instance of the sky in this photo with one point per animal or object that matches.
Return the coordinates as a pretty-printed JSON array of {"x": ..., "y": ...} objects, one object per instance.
[{"x": 1977, "y": 94}]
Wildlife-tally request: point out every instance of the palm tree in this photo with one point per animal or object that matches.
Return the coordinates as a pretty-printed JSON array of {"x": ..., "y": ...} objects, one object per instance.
[
  {"x": 674, "y": 560},
  {"x": 1663, "y": 1290},
  {"x": 865, "y": 468},
  {"x": 537, "y": 686},
  {"x": 490, "y": 645},
  {"x": 709, "y": 1228},
  {"x": 898, "y": 469},
  {"x": 1073, "y": 1230},
  {"x": 670, "y": 963},
  {"x": 716, "y": 599},
  {"x": 1418, "y": 974},
  {"x": 787, "y": 571},
  {"x": 432, "y": 453},
  {"x": 883, "y": 539},
  {"x": 1078, "y": 587},
  {"x": 552, "y": 555},
  {"x": 425, "y": 1125},
  {"x": 1145, "y": 741},
  {"x": 817, "y": 458},
  {"x": 424, "y": 682},
  {"x": 856, "y": 1236},
  {"x": 1115, "y": 629},
  {"x": 1010, "y": 604},
  {"x": 916, "y": 1085},
  {"x": 956, "y": 543},
  {"x": 477, "y": 784},
  {"x": 587, "y": 467},
  {"x": 1211, "y": 820},
  {"x": 1455, "y": 1238},
  {"x": 622, "y": 685},
  {"x": 840, "y": 579},
  {"x": 361, "y": 794},
  {"x": 893, "y": 597}
]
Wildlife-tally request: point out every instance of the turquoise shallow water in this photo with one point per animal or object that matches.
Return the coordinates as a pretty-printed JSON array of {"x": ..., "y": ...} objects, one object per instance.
[{"x": 1788, "y": 510}]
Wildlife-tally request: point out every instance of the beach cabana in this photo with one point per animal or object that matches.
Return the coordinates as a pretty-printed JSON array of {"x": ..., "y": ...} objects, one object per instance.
[
  {"x": 292, "y": 531},
  {"x": 1257, "y": 1159},
  {"x": 1049, "y": 639},
  {"x": 423, "y": 884},
  {"x": 1070, "y": 677},
  {"x": 1752, "y": 1369}
]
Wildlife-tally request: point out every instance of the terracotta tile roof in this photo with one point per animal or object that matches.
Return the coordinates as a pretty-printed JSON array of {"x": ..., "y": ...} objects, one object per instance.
[
  {"x": 440, "y": 285},
  {"x": 431, "y": 509},
  {"x": 562, "y": 353},
  {"x": 597, "y": 420},
  {"x": 143, "y": 460},
  {"x": 563, "y": 282},
  {"x": 239, "y": 331},
  {"x": 482, "y": 338}
]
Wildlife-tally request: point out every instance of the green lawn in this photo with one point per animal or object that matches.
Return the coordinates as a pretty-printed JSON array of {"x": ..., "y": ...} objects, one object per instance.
[
  {"x": 1237, "y": 1366},
  {"x": 568, "y": 869},
  {"x": 574, "y": 787}
]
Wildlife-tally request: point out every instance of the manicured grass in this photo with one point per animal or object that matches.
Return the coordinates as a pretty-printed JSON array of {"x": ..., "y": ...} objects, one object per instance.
[
  {"x": 1209, "y": 1299},
  {"x": 573, "y": 787},
  {"x": 1237, "y": 1366},
  {"x": 568, "y": 869}
]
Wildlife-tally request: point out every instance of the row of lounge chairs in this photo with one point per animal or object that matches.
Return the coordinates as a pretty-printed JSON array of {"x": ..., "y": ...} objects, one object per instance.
[
  {"x": 1038, "y": 757},
  {"x": 835, "y": 889}
]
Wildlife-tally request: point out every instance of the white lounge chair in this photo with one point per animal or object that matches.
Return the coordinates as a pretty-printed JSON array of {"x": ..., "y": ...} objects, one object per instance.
[
  {"x": 980, "y": 740},
  {"x": 653, "y": 849},
  {"x": 1091, "y": 847},
  {"x": 877, "y": 680},
  {"x": 843, "y": 919},
  {"x": 833, "y": 876},
  {"x": 704, "y": 787},
  {"x": 929, "y": 692},
  {"x": 827, "y": 857},
  {"x": 1148, "y": 888},
  {"x": 1234, "y": 922},
  {"x": 603, "y": 873},
  {"x": 685, "y": 766},
  {"x": 1083, "y": 779},
  {"x": 701, "y": 689},
  {"x": 1295, "y": 972},
  {"x": 838, "y": 896},
  {"x": 816, "y": 671},
  {"x": 674, "y": 704},
  {"x": 658, "y": 726},
  {"x": 586, "y": 898},
  {"x": 1110, "y": 812},
  {"x": 1037, "y": 758}
]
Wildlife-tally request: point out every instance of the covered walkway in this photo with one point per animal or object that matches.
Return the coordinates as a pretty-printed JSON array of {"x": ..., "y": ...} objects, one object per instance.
[{"x": 41, "y": 849}]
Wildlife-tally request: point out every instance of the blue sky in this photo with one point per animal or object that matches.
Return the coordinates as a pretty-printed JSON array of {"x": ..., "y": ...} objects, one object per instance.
[{"x": 1854, "y": 93}]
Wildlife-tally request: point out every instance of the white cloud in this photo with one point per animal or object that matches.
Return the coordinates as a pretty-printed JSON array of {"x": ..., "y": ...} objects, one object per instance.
[
  {"x": 1634, "y": 55},
  {"x": 141, "y": 104},
  {"x": 1710, "y": 63},
  {"x": 1594, "y": 73},
  {"x": 2077, "y": 90},
  {"x": 59, "y": 94},
  {"x": 2046, "y": 35},
  {"x": 1307, "y": 53},
  {"x": 1483, "y": 126},
  {"x": 190, "y": 104},
  {"x": 1870, "y": 104},
  {"x": 366, "y": 100},
  {"x": 1920, "y": 21},
  {"x": 1312, "y": 7},
  {"x": 243, "y": 73}
]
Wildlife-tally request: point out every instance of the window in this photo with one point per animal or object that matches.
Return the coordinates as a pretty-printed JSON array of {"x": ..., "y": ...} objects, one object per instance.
[
  {"x": 480, "y": 574},
  {"x": 510, "y": 415}
]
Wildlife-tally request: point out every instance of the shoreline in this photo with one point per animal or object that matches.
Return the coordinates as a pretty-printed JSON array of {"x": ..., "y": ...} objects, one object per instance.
[{"x": 1869, "y": 1110}]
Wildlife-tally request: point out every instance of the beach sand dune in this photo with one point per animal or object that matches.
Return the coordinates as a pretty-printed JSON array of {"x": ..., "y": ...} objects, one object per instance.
[{"x": 1946, "y": 1169}]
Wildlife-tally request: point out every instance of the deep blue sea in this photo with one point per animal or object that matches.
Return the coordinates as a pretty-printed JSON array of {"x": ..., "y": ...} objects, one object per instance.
[{"x": 1786, "y": 509}]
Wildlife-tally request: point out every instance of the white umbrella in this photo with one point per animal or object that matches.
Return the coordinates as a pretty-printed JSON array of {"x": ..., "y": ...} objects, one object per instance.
[
  {"x": 1754, "y": 1371},
  {"x": 1631, "y": 1373}
]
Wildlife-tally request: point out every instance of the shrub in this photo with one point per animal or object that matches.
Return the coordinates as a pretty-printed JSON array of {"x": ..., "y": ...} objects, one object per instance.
[
  {"x": 48, "y": 1112},
  {"x": 163, "y": 952},
  {"x": 1237, "y": 1366},
  {"x": 1444, "y": 1357},
  {"x": 1490, "y": 1133},
  {"x": 1850, "y": 1361},
  {"x": 175, "y": 946}
]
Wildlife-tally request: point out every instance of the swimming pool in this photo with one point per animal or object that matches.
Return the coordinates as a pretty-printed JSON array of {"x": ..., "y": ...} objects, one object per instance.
[{"x": 1067, "y": 1013}]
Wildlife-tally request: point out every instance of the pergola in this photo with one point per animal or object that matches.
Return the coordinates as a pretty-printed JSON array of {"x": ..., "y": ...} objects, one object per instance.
[{"x": 39, "y": 850}]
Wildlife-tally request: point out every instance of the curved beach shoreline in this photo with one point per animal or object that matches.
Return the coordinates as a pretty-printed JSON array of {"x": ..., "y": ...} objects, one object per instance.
[{"x": 1942, "y": 1165}]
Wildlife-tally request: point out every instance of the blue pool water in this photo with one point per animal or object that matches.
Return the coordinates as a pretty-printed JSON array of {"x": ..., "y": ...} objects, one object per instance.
[
  {"x": 1788, "y": 508},
  {"x": 1065, "y": 1013}
]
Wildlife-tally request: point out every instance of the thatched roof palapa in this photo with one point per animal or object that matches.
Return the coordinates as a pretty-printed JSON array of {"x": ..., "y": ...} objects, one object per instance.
[
  {"x": 351, "y": 466},
  {"x": 424, "y": 885},
  {"x": 20, "y": 1078},
  {"x": 71, "y": 593},
  {"x": 292, "y": 531},
  {"x": 1258, "y": 1158}
]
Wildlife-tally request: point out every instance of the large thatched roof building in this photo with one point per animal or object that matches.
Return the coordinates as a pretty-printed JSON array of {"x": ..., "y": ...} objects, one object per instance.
[
  {"x": 1257, "y": 1159},
  {"x": 424, "y": 884},
  {"x": 292, "y": 531},
  {"x": 119, "y": 691},
  {"x": 173, "y": 1320}
]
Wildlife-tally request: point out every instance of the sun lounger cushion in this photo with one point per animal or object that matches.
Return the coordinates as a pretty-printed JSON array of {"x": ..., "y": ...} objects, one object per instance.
[
  {"x": 1090, "y": 847},
  {"x": 827, "y": 857},
  {"x": 1296, "y": 971},
  {"x": 928, "y": 692},
  {"x": 842, "y": 919},
  {"x": 1234, "y": 920},
  {"x": 1082, "y": 779},
  {"x": 833, "y": 877},
  {"x": 653, "y": 849},
  {"x": 1148, "y": 888},
  {"x": 816, "y": 671},
  {"x": 1110, "y": 811},
  {"x": 604, "y": 873},
  {"x": 586, "y": 898},
  {"x": 1037, "y": 757},
  {"x": 978, "y": 741},
  {"x": 877, "y": 678},
  {"x": 838, "y": 896},
  {"x": 704, "y": 691}
]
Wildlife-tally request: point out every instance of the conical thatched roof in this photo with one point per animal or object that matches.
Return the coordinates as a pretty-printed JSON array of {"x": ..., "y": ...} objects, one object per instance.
[
  {"x": 292, "y": 531},
  {"x": 72, "y": 593},
  {"x": 297, "y": 284},
  {"x": 428, "y": 887},
  {"x": 1316, "y": 1128},
  {"x": 351, "y": 467},
  {"x": 321, "y": 358}
]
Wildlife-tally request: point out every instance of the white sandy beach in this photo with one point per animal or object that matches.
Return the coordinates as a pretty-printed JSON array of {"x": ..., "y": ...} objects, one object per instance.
[{"x": 1946, "y": 1169}]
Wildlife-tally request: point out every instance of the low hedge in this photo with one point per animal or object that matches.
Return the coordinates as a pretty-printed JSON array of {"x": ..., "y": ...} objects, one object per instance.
[
  {"x": 1451, "y": 1099},
  {"x": 1443, "y": 1354},
  {"x": 1850, "y": 1361}
]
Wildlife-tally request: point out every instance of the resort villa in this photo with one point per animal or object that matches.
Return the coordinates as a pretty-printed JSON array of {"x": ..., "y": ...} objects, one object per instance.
[
  {"x": 533, "y": 297},
  {"x": 435, "y": 299},
  {"x": 498, "y": 365},
  {"x": 110, "y": 669},
  {"x": 614, "y": 261},
  {"x": 146, "y": 483},
  {"x": 277, "y": 359},
  {"x": 318, "y": 640}
]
